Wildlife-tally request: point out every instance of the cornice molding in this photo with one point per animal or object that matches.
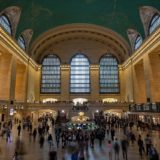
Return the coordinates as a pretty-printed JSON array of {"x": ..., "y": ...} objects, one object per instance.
[
  {"x": 11, "y": 45},
  {"x": 149, "y": 44}
]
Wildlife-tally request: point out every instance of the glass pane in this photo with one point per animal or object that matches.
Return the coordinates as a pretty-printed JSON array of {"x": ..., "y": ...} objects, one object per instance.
[
  {"x": 79, "y": 74},
  {"x": 50, "y": 80},
  {"x": 138, "y": 42},
  {"x": 4, "y": 22},
  {"x": 155, "y": 22},
  {"x": 109, "y": 78},
  {"x": 21, "y": 42}
]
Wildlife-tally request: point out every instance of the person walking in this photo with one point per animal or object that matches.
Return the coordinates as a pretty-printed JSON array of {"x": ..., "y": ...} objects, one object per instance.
[
  {"x": 116, "y": 147},
  {"x": 52, "y": 155},
  {"x": 81, "y": 155},
  {"x": 8, "y": 135},
  {"x": 109, "y": 148},
  {"x": 153, "y": 154},
  {"x": 112, "y": 133},
  {"x": 92, "y": 138},
  {"x": 124, "y": 146},
  {"x": 41, "y": 141},
  {"x": 133, "y": 138},
  {"x": 86, "y": 140},
  {"x": 100, "y": 136},
  {"x": 50, "y": 141},
  {"x": 34, "y": 134},
  {"x": 148, "y": 143},
  {"x": 141, "y": 146},
  {"x": 19, "y": 129}
]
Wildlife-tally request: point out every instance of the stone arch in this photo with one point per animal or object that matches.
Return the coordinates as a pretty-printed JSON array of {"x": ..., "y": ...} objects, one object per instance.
[
  {"x": 132, "y": 35},
  {"x": 97, "y": 38},
  {"x": 146, "y": 14},
  {"x": 13, "y": 13},
  {"x": 27, "y": 35}
]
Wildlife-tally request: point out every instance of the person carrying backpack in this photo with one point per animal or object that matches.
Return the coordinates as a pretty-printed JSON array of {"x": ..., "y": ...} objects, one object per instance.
[
  {"x": 153, "y": 154},
  {"x": 148, "y": 143},
  {"x": 141, "y": 146},
  {"x": 116, "y": 147},
  {"x": 124, "y": 146}
]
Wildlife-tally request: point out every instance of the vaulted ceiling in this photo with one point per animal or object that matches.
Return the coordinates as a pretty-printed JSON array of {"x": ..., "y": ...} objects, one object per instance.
[{"x": 42, "y": 15}]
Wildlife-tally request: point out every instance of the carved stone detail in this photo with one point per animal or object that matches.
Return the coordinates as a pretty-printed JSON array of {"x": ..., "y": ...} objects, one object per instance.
[
  {"x": 146, "y": 14},
  {"x": 13, "y": 13},
  {"x": 132, "y": 35},
  {"x": 81, "y": 32},
  {"x": 27, "y": 35}
]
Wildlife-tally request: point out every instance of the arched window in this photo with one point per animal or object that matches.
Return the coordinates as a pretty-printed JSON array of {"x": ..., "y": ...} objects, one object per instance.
[
  {"x": 4, "y": 22},
  {"x": 80, "y": 75},
  {"x": 109, "y": 76},
  {"x": 50, "y": 81},
  {"x": 138, "y": 42},
  {"x": 154, "y": 23},
  {"x": 21, "y": 42}
]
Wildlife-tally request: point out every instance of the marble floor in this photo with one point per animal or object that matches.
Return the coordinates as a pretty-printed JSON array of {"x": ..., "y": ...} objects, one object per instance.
[{"x": 34, "y": 152}]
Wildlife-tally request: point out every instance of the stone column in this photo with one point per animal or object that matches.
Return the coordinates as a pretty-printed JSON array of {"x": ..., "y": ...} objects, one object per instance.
[
  {"x": 154, "y": 76},
  {"x": 65, "y": 80},
  {"x": 139, "y": 83},
  {"x": 20, "y": 90},
  {"x": 94, "y": 78},
  {"x": 147, "y": 75},
  {"x": 132, "y": 97},
  {"x": 122, "y": 84},
  {"x": 13, "y": 78},
  {"x": 128, "y": 82},
  {"x": 37, "y": 83},
  {"x": 26, "y": 83},
  {"x": 5, "y": 75},
  {"x": 12, "y": 85}
]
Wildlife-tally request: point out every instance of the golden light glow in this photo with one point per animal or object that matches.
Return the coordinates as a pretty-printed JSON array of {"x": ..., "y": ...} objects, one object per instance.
[
  {"x": 81, "y": 113},
  {"x": 79, "y": 101},
  {"x": 51, "y": 100},
  {"x": 109, "y": 100},
  {"x": 80, "y": 118}
]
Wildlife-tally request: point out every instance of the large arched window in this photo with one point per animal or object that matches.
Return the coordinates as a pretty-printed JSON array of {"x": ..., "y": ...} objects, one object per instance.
[
  {"x": 21, "y": 42},
  {"x": 80, "y": 75},
  {"x": 109, "y": 76},
  {"x": 50, "y": 81},
  {"x": 4, "y": 22},
  {"x": 155, "y": 22},
  {"x": 138, "y": 42}
]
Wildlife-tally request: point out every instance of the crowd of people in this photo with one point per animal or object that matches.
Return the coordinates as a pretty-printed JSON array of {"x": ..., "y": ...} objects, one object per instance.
[{"x": 78, "y": 141}]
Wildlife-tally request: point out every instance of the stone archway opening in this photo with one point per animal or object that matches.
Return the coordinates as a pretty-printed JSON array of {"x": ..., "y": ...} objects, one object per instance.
[
  {"x": 36, "y": 114},
  {"x": 114, "y": 112}
]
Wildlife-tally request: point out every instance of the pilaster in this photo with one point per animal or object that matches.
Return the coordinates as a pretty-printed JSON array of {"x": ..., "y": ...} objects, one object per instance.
[{"x": 65, "y": 77}]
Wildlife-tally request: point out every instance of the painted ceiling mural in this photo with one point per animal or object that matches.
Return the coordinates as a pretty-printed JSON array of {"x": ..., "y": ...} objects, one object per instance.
[{"x": 118, "y": 15}]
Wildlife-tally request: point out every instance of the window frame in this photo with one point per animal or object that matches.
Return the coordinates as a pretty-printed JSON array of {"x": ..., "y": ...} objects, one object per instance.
[
  {"x": 89, "y": 79},
  {"x": 20, "y": 41},
  {"x": 137, "y": 40},
  {"x": 152, "y": 22},
  {"x": 5, "y": 18},
  {"x": 41, "y": 92},
  {"x": 100, "y": 84}
]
